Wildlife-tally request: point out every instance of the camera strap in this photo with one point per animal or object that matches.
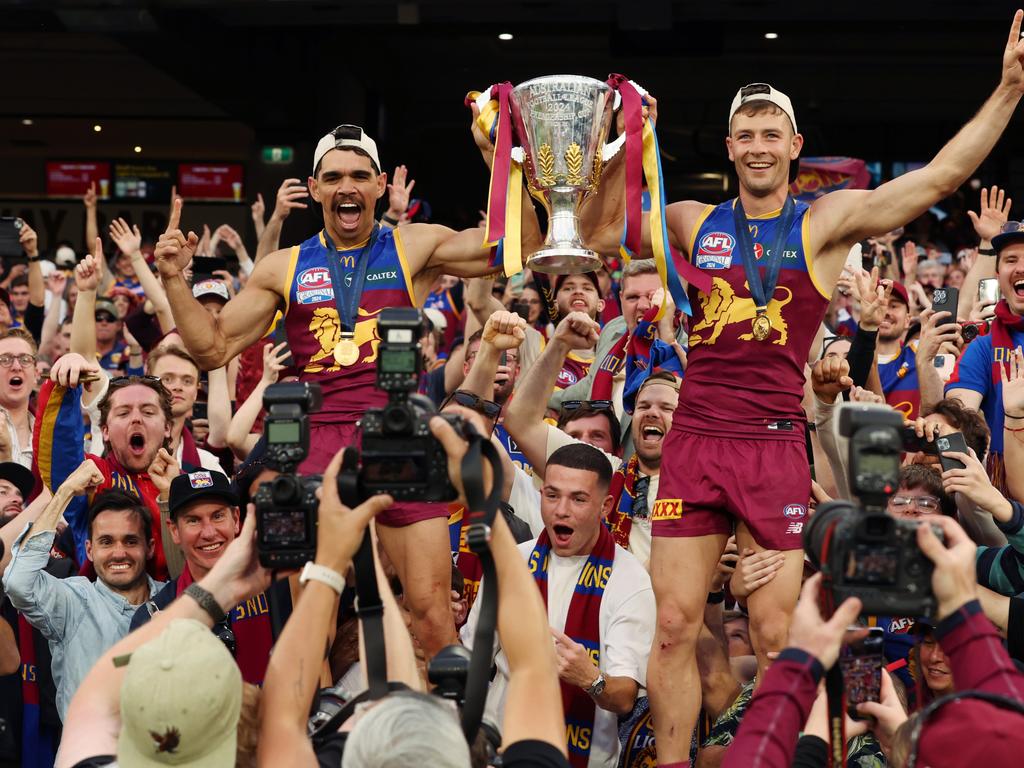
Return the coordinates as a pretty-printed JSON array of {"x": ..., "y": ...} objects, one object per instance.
[
  {"x": 834, "y": 689},
  {"x": 481, "y": 511},
  {"x": 369, "y": 606}
]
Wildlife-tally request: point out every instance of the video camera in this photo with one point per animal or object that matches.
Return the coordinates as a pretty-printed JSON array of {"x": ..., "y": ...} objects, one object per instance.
[
  {"x": 398, "y": 453},
  {"x": 286, "y": 507},
  {"x": 862, "y": 550}
]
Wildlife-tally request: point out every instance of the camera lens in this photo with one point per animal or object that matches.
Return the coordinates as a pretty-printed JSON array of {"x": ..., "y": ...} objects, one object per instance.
[
  {"x": 397, "y": 420},
  {"x": 825, "y": 519},
  {"x": 969, "y": 332}
]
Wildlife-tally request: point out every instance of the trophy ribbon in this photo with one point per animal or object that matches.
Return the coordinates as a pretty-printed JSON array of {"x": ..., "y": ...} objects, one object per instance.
[
  {"x": 504, "y": 198},
  {"x": 643, "y": 160}
]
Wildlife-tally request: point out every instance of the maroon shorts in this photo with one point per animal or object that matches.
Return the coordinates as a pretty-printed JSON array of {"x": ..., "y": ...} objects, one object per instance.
[
  {"x": 708, "y": 483},
  {"x": 325, "y": 440}
]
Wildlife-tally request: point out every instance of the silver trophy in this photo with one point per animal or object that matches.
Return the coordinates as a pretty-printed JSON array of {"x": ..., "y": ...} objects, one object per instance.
[{"x": 561, "y": 122}]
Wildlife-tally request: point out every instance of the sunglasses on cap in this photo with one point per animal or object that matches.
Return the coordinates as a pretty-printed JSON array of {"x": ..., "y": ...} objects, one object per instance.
[
  {"x": 105, "y": 317},
  {"x": 474, "y": 402},
  {"x": 571, "y": 406}
]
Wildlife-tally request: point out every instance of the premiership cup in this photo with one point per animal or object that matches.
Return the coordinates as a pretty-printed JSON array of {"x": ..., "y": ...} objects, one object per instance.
[{"x": 562, "y": 121}]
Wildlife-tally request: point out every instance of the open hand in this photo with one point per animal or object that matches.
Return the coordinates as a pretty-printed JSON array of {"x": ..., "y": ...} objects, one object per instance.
[
  {"x": 399, "y": 192},
  {"x": 128, "y": 239},
  {"x": 1013, "y": 73},
  {"x": 994, "y": 211},
  {"x": 289, "y": 196}
]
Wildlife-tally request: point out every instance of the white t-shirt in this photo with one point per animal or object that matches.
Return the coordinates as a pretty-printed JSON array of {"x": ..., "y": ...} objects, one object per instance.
[
  {"x": 626, "y": 623},
  {"x": 525, "y": 501},
  {"x": 640, "y": 531}
]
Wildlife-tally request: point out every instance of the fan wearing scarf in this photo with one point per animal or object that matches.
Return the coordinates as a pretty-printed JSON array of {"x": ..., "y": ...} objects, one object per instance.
[
  {"x": 652, "y": 400},
  {"x": 599, "y": 601},
  {"x": 977, "y": 380}
]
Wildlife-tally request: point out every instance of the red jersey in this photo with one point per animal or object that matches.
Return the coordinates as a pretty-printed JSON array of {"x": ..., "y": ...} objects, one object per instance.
[
  {"x": 734, "y": 384},
  {"x": 574, "y": 369},
  {"x": 313, "y": 327}
]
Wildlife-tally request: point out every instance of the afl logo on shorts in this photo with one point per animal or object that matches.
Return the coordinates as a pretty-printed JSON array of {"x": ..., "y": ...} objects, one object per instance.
[
  {"x": 794, "y": 511},
  {"x": 715, "y": 251},
  {"x": 313, "y": 285}
]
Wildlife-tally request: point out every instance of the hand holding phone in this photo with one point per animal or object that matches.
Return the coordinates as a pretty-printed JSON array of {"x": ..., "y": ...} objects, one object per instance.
[
  {"x": 946, "y": 299},
  {"x": 861, "y": 663},
  {"x": 953, "y": 442}
]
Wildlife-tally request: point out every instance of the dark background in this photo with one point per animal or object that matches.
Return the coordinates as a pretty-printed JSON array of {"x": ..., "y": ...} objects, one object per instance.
[{"x": 190, "y": 80}]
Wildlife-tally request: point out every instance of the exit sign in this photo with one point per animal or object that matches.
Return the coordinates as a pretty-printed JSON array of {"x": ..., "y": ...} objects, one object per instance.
[{"x": 278, "y": 155}]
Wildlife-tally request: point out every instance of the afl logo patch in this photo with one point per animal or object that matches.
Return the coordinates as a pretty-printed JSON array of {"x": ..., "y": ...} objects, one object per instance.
[
  {"x": 794, "y": 511},
  {"x": 313, "y": 285},
  {"x": 715, "y": 251},
  {"x": 758, "y": 250},
  {"x": 566, "y": 378}
]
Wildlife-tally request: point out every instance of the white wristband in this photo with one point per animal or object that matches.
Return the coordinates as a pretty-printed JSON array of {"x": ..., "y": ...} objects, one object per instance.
[{"x": 314, "y": 572}]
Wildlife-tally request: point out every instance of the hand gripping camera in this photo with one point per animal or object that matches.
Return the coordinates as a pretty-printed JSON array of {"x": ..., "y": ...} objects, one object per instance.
[
  {"x": 286, "y": 507},
  {"x": 863, "y": 551},
  {"x": 399, "y": 454}
]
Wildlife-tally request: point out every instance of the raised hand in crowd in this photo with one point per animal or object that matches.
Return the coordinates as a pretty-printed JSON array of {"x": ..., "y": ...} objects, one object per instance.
[
  {"x": 290, "y": 195},
  {"x": 72, "y": 369},
  {"x": 873, "y": 296},
  {"x": 174, "y": 250},
  {"x": 56, "y": 282},
  {"x": 225, "y": 277},
  {"x": 886, "y": 715},
  {"x": 89, "y": 271},
  {"x": 940, "y": 335},
  {"x": 258, "y": 211},
  {"x": 973, "y": 483},
  {"x": 163, "y": 470},
  {"x": 273, "y": 361},
  {"x": 908, "y": 260},
  {"x": 205, "y": 247},
  {"x": 862, "y": 395},
  {"x": 754, "y": 570},
  {"x": 29, "y": 240},
  {"x": 993, "y": 213},
  {"x": 128, "y": 239},
  {"x": 87, "y": 475},
  {"x": 399, "y": 194},
  {"x": 829, "y": 377}
]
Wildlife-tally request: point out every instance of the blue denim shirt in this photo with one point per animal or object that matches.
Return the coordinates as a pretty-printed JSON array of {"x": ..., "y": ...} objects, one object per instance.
[{"x": 81, "y": 619}]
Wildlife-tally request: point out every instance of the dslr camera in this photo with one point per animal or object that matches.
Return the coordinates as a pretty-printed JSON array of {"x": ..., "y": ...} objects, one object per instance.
[
  {"x": 862, "y": 550},
  {"x": 398, "y": 453},
  {"x": 286, "y": 507}
]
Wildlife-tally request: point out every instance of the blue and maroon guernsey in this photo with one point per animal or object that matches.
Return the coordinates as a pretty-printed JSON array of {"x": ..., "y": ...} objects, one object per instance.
[
  {"x": 734, "y": 384},
  {"x": 899, "y": 381},
  {"x": 313, "y": 328}
]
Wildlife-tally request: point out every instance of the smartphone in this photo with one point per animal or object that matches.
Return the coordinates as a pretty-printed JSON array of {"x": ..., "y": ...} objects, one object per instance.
[
  {"x": 953, "y": 442},
  {"x": 503, "y": 360},
  {"x": 945, "y": 364},
  {"x": 861, "y": 663},
  {"x": 988, "y": 290},
  {"x": 203, "y": 267},
  {"x": 945, "y": 299},
  {"x": 199, "y": 411},
  {"x": 10, "y": 231}
]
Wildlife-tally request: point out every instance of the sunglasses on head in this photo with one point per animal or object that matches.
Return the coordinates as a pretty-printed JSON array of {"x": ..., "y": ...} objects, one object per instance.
[
  {"x": 571, "y": 406},
  {"x": 474, "y": 402}
]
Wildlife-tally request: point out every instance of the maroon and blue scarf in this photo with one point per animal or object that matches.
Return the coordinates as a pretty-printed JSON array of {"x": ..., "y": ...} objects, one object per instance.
[
  {"x": 582, "y": 624},
  {"x": 620, "y": 519},
  {"x": 1002, "y": 343}
]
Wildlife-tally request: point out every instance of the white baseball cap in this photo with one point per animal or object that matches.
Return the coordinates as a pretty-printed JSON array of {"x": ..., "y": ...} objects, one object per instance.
[
  {"x": 180, "y": 701},
  {"x": 66, "y": 257},
  {"x": 346, "y": 136},
  {"x": 211, "y": 288},
  {"x": 762, "y": 92}
]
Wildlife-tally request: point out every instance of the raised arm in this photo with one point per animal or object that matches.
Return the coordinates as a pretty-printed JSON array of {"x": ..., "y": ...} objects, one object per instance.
[
  {"x": 846, "y": 216},
  {"x": 218, "y": 407},
  {"x": 239, "y": 437},
  {"x": 1013, "y": 420},
  {"x": 88, "y": 276},
  {"x": 92, "y": 227},
  {"x": 993, "y": 213},
  {"x": 289, "y": 195},
  {"x": 51, "y": 321},
  {"x": 294, "y": 670},
  {"x": 213, "y": 341},
  {"x": 258, "y": 222},
  {"x": 129, "y": 240},
  {"x": 524, "y": 418}
]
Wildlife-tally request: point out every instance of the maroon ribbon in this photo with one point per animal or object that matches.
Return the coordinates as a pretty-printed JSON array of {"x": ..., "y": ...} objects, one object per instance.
[
  {"x": 502, "y": 164},
  {"x": 632, "y": 111}
]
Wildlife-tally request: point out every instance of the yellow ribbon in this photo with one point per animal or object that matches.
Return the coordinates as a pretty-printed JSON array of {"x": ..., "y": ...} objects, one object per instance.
[
  {"x": 512, "y": 250},
  {"x": 658, "y": 233}
]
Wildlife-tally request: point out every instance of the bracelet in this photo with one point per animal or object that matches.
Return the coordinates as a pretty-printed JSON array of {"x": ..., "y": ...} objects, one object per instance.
[
  {"x": 34, "y": 259},
  {"x": 987, "y": 251},
  {"x": 390, "y": 220},
  {"x": 1011, "y": 416},
  {"x": 714, "y": 598},
  {"x": 1007, "y": 429},
  {"x": 207, "y": 602}
]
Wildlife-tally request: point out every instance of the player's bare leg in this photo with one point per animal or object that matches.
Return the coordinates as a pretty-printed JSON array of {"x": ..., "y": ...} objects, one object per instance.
[
  {"x": 421, "y": 554},
  {"x": 681, "y": 570}
]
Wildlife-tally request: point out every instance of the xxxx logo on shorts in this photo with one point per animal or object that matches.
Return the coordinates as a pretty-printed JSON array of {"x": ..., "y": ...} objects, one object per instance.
[{"x": 667, "y": 509}]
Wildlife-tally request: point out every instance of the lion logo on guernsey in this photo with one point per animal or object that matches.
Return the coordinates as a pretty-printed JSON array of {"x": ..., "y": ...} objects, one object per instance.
[
  {"x": 715, "y": 251},
  {"x": 313, "y": 285}
]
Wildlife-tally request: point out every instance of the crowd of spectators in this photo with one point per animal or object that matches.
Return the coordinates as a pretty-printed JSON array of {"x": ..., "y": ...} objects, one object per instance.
[{"x": 139, "y": 627}]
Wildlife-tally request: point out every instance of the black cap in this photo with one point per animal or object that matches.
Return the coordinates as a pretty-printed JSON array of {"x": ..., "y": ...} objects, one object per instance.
[
  {"x": 20, "y": 477},
  {"x": 192, "y": 486},
  {"x": 1012, "y": 232}
]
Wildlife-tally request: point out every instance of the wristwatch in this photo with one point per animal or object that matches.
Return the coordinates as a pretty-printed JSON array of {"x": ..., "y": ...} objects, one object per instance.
[
  {"x": 597, "y": 687},
  {"x": 206, "y": 601},
  {"x": 323, "y": 574}
]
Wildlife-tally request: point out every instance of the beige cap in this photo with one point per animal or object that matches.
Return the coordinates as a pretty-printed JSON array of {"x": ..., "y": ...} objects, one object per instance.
[
  {"x": 180, "y": 701},
  {"x": 762, "y": 92},
  {"x": 346, "y": 136}
]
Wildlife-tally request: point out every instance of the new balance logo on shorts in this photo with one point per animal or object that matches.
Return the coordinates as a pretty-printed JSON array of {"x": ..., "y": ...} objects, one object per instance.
[
  {"x": 667, "y": 509},
  {"x": 795, "y": 513},
  {"x": 794, "y": 528}
]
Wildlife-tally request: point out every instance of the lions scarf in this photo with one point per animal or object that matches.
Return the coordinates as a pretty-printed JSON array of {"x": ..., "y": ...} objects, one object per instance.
[
  {"x": 582, "y": 624},
  {"x": 620, "y": 519}
]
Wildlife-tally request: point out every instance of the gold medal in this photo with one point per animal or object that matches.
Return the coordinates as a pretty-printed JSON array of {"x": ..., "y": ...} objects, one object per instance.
[
  {"x": 346, "y": 351},
  {"x": 762, "y": 326}
]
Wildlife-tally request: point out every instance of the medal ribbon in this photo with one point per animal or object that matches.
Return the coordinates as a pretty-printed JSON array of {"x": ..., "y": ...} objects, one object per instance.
[
  {"x": 348, "y": 302},
  {"x": 762, "y": 292}
]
